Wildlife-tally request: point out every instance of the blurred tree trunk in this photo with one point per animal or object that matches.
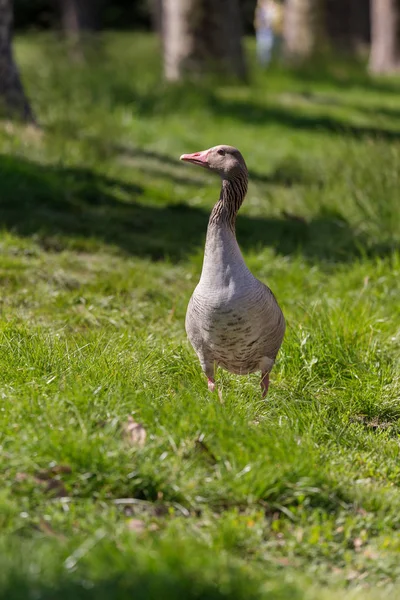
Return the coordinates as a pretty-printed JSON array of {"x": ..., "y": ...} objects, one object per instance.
[
  {"x": 78, "y": 16},
  {"x": 360, "y": 20},
  {"x": 348, "y": 24},
  {"x": 385, "y": 43},
  {"x": 156, "y": 12},
  {"x": 202, "y": 36},
  {"x": 13, "y": 101},
  {"x": 303, "y": 29}
]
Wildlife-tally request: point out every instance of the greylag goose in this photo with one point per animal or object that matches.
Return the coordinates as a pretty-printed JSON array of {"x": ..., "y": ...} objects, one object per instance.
[{"x": 233, "y": 320}]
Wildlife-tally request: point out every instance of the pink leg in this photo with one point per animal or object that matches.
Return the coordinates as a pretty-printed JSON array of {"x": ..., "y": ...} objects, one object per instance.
[
  {"x": 211, "y": 388},
  {"x": 211, "y": 384},
  {"x": 264, "y": 384}
]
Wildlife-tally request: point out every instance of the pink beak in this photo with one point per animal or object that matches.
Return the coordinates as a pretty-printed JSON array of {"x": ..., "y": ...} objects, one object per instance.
[{"x": 197, "y": 158}]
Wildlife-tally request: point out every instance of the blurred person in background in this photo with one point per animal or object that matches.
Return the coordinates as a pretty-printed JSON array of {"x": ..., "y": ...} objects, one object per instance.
[{"x": 268, "y": 26}]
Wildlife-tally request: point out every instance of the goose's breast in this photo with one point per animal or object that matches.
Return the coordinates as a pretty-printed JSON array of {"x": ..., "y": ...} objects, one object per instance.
[{"x": 240, "y": 329}]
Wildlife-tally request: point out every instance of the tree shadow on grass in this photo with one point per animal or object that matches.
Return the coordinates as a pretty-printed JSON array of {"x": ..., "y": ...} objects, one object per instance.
[
  {"x": 175, "y": 99},
  {"x": 323, "y": 99},
  {"x": 288, "y": 172},
  {"x": 163, "y": 582},
  {"x": 257, "y": 113},
  {"x": 73, "y": 207},
  {"x": 346, "y": 75}
]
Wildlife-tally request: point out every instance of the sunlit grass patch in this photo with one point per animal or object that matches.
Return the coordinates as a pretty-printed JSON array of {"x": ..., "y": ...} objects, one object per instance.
[{"x": 102, "y": 233}]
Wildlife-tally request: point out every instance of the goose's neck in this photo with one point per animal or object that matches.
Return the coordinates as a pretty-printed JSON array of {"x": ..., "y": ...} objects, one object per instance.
[{"x": 230, "y": 200}]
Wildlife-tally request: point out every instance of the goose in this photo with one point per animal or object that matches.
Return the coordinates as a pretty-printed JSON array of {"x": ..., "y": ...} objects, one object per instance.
[{"x": 233, "y": 320}]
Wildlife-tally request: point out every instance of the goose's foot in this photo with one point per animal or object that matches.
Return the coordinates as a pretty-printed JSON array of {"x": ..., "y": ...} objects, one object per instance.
[
  {"x": 211, "y": 388},
  {"x": 264, "y": 384},
  {"x": 211, "y": 384}
]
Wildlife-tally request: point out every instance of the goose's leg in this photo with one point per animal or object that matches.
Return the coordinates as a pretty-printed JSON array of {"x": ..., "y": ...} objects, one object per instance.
[
  {"x": 264, "y": 384},
  {"x": 208, "y": 365},
  {"x": 210, "y": 372},
  {"x": 208, "y": 369},
  {"x": 266, "y": 365}
]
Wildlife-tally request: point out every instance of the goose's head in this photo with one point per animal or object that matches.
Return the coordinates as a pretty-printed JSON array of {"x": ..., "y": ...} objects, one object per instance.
[{"x": 225, "y": 160}]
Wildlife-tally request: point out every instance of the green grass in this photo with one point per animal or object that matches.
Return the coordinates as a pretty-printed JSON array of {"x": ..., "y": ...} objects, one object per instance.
[{"x": 102, "y": 233}]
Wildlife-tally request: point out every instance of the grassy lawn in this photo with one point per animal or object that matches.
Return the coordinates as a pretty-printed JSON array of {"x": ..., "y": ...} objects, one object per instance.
[{"x": 101, "y": 242}]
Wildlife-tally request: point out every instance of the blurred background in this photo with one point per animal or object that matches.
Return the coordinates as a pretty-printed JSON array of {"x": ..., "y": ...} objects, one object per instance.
[
  {"x": 199, "y": 37},
  {"x": 118, "y": 90}
]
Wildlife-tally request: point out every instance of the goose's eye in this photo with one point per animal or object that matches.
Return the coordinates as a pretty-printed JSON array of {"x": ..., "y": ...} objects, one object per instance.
[{"x": 221, "y": 152}]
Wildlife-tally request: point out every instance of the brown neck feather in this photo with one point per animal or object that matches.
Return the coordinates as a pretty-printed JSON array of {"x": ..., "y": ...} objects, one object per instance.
[{"x": 230, "y": 200}]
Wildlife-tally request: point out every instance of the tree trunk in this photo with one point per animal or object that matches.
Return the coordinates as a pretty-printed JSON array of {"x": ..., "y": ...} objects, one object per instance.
[
  {"x": 202, "y": 36},
  {"x": 13, "y": 101},
  {"x": 385, "y": 43},
  {"x": 360, "y": 23},
  {"x": 79, "y": 15},
  {"x": 347, "y": 25},
  {"x": 303, "y": 29},
  {"x": 156, "y": 12}
]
